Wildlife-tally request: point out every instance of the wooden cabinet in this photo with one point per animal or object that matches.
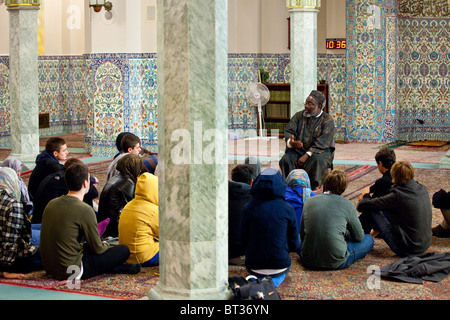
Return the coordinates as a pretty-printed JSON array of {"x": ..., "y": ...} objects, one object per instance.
[{"x": 277, "y": 112}]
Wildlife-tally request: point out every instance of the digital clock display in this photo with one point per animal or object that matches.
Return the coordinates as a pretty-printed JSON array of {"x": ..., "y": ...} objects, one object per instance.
[{"x": 336, "y": 44}]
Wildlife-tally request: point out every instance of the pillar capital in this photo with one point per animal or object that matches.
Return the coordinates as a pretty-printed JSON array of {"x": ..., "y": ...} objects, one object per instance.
[
  {"x": 22, "y": 4},
  {"x": 303, "y": 5}
]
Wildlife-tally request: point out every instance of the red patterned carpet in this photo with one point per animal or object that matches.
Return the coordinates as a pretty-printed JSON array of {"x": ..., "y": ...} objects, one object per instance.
[{"x": 301, "y": 283}]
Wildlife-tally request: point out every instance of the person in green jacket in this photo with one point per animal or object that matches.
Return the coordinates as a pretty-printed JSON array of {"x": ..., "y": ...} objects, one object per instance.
[
  {"x": 71, "y": 247},
  {"x": 331, "y": 234}
]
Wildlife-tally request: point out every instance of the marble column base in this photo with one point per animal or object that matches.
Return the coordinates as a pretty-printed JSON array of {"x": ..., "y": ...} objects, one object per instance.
[
  {"x": 160, "y": 293},
  {"x": 28, "y": 160},
  {"x": 445, "y": 161}
]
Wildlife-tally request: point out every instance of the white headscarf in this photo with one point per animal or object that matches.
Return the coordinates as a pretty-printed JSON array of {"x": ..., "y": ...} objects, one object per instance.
[
  {"x": 17, "y": 165},
  {"x": 9, "y": 181}
]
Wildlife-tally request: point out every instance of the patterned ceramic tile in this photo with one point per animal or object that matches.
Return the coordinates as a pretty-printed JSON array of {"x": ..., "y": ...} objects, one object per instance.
[
  {"x": 396, "y": 70},
  {"x": 423, "y": 79}
]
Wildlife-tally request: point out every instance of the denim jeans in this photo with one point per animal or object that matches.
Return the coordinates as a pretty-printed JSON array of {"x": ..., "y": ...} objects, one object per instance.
[
  {"x": 277, "y": 278},
  {"x": 36, "y": 234},
  {"x": 383, "y": 226},
  {"x": 357, "y": 250}
]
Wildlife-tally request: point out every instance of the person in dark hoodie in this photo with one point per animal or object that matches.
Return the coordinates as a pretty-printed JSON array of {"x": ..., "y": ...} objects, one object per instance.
[
  {"x": 47, "y": 162},
  {"x": 238, "y": 195},
  {"x": 54, "y": 186},
  {"x": 269, "y": 228}
]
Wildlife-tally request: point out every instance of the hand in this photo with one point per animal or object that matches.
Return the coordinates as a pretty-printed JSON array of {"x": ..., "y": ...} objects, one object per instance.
[
  {"x": 8, "y": 275},
  {"x": 295, "y": 144},
  {"x": 365, "y": 190},
  {"x": 301, "y": 162}
]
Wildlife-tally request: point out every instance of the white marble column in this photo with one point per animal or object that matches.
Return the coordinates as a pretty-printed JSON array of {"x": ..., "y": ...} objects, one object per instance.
[
  {"x": 23, "y": 60},
  {"x": 445, "y": 161},
  {"x": 192, "y": 129},
  {"x": 303, "y": 19}
]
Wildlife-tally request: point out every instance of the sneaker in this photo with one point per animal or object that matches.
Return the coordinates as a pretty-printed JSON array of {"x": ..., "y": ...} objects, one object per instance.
[
  {"x": 127, "y": 268},
  {"x": 440, "y": 232}
]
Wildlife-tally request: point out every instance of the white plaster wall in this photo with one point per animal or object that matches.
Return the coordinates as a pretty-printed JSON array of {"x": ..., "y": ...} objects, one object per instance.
[
  {"x": 4, "y": 28},
  {"x": 148, "y": 26},
  {"x": 254, "y": 26},
  {"x": 129, "y": 31},
  {"x": 63, "y": 27},
  {"x": 244, "y": 26},
  {"x": 110, "y": 36},
  {"x": 274, "y": 26},
  {"x": 322, "y": 27},
  {"x": 336, "y": 22}
]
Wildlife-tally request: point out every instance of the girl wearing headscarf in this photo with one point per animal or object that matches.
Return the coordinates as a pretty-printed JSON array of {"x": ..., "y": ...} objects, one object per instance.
[
  {"x": 17, "y": 166},
  {"x": 298, "y": 190},
  {"x": 118, "y": 191},
  {"x": 17, "y": 252}
]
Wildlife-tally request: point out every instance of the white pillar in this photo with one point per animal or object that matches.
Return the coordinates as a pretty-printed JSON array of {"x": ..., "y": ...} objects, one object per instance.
[
  {"x": 303, "y": 19},
  {"x": 192, "y": 134},
  {"x": 24, "y": 90}
]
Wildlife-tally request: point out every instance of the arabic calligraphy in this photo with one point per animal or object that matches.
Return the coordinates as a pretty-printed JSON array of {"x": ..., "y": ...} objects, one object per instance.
[{"x": 424, "y": 8}]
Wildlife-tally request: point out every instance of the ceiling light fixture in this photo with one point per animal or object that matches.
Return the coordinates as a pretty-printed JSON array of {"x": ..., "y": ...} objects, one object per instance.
[{"x": 98, "y": 4}]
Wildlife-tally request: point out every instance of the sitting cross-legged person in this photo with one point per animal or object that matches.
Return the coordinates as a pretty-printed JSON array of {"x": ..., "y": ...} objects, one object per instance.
[
  {"x": 54, "y": 186},
  {"x": 118, "y": 191},
  {"x": 332, "y": 237},
  {"x": 17, "y": 165},
  {"x": 71, "y": 246},
  {"x": 139, "y": 222},
  {"x": 441, "y": 200},
  {"x": 269, "y": 228},
  {"x": 48, "y": 162},
  {"x": 19, "y": 252},
  {"x": 385, "y": 159},
  {"x": 298, "y": 190},
  {"x": 403, "y": 216},
  {"x": 238, "y": 195},
  {"x": 130, "y": 144},
  {"x": 310, "y": 142}
]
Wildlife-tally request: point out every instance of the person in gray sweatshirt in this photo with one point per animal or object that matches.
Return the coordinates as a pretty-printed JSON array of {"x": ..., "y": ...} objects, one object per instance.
[{"x": 403, "y": 216}]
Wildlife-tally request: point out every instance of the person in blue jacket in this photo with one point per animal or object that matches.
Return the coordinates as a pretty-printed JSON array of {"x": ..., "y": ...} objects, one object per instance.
[
  {"x": 269, "y": 228},
  {"x": 298, "y": 190}
]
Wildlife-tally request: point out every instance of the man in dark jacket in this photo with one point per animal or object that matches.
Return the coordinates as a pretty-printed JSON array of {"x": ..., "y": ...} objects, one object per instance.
[
  {"x": 238, "y": 195},
  {"x": 47, "y": 162},
  {"x": 54, "y": 186},
  {"x": 385, "y": 159},
  {"x": 309, "y": 139},
  {"x": 269, "y": 227}
]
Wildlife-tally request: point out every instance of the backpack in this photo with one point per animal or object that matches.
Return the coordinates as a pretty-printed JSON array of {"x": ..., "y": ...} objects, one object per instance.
[{"x": 257, "y": 289}]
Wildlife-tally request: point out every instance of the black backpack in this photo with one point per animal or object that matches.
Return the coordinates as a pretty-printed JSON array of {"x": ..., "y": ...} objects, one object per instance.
[{"x": 257, "y": 289}]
